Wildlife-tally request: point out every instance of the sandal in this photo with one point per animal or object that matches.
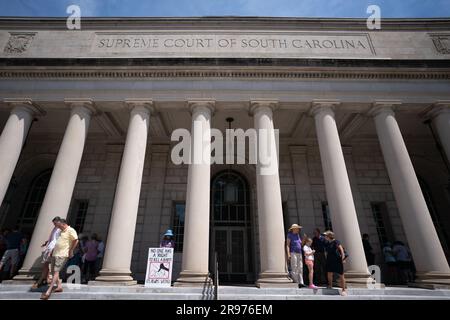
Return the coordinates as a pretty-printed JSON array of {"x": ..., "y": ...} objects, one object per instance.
[
  {"x": 58, "y": 290},
  {"x": 45, "y": 296},
  {"x": 36, "y": 285}
]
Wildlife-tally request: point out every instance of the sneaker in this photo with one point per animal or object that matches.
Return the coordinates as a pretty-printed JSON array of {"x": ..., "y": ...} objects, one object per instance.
[{"x": 312, "y": 286}]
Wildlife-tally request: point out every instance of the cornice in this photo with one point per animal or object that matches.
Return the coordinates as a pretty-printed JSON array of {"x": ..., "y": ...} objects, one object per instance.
[
  {"x": 161, "y": 73},
  {"x": 226, "y": 22}
]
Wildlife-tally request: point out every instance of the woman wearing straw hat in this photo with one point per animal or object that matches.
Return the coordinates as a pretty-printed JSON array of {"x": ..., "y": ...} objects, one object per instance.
[{"x": 294, "y": 253}]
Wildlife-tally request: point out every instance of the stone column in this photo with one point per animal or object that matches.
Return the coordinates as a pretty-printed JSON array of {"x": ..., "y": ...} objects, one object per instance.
[
  {"x": 440, "y": 117},
  {"x": 270, "y": 213},
  {"x": 13, "y": 137},
  {"x": 196, "y": 227},
  {"x": 119, "y": 244},
  {"x": 431, "y": 264},
  {"x": 339, "y": 194},
  {"x": 62, "y": 182}
]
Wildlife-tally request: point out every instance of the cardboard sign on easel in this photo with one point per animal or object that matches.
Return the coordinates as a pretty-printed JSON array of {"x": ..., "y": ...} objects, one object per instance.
[{"x": 159, "y": 267}]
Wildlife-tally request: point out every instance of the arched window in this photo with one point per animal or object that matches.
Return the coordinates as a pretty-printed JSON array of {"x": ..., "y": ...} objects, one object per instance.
[
  {"x": 34, "y": 199},
  {"x": 230, "y": 201}
]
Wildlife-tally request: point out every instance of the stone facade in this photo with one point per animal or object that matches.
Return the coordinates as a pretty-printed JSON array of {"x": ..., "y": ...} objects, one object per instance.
[{"x": 410, "y": 67}]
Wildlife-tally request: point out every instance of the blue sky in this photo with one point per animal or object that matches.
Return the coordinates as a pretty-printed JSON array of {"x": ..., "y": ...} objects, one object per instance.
[{"x": 287, "y": 8}]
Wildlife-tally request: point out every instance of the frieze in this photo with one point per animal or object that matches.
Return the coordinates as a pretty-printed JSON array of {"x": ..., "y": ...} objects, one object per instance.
[{"x": 188, "y": 44}]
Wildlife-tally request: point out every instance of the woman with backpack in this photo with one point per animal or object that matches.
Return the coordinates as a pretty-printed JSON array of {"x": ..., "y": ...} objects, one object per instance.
[{"x": 335, "y": 260}]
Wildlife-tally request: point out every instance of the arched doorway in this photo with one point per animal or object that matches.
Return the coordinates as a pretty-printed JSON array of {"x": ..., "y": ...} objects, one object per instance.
[{"x": 231, "y": 235}]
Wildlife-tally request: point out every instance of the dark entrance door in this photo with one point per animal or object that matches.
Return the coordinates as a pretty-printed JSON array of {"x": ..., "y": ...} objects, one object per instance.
[{"x": 230, "y": 225}]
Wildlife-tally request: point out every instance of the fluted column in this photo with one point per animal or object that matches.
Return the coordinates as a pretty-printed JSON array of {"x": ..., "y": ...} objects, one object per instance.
[
  {"x": 429, "y": 258},
  {"x": 119, "y": 244},
  {"x": 338, "y": 190},
  {"x": 270, "y": 213},
  {"x": 13, "y": 137},
  {"x": 62, "y": 182},
  {"x": 196, "y": 227}
]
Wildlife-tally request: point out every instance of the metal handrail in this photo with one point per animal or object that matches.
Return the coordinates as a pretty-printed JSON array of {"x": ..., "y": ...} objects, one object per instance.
[{"x": 216, "y": 277}]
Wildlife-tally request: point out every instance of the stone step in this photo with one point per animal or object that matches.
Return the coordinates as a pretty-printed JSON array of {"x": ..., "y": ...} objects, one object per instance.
[
  {"x": 122, "y": 289},
  {"x": 175, "y": 296},
  {"x": 325, "y": 291},
  {"x": 329, "y": 297},
  {"x": 103, "y": 296},
  {"x": 11, "y": 291}
]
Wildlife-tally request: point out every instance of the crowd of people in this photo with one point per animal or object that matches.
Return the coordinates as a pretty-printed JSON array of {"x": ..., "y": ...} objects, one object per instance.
[
  {"x": 400, "y": 268},
  {"x": 324, "y": 257},
  {"x": 63, "y": 248}
]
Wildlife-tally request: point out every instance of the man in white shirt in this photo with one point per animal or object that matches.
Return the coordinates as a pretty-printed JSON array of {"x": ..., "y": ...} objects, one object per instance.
[{"x": 48, "y": 246}]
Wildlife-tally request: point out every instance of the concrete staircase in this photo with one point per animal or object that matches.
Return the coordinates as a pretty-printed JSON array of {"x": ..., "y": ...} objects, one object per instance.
[{"x": 85, "y": 292}]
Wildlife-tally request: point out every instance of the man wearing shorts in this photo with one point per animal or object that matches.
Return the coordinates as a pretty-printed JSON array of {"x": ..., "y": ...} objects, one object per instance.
[{"x": 63, "y": 250}]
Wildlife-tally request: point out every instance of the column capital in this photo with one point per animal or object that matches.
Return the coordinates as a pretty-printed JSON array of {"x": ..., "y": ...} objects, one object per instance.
[
  {"x": 200, "y": 104},
  {"x": 272, "y": 105},
  {"x": 383, "y": 106},
  {"x": 437, "y": 108},
  {"x": 319, "y": 105},
  {"x": 84, "y": 104},
  {"x": 25, "y": 104},
  {"x": 142, "y": 104}
]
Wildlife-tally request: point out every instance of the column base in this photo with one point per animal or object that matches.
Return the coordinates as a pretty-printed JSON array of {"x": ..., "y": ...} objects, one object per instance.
[
  {"x": 355, "y": 279},
  {"x": 275, "y": 280},
  {"x": 431, "y": 280},
  {"x": 114, "y": 278},
  {"x": 193, "y": 279}
]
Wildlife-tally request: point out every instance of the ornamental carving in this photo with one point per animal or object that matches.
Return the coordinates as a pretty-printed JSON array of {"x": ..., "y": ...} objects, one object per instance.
[
  {"x": 18, "y": 43},
  {"x": 441, "y": 42}
]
